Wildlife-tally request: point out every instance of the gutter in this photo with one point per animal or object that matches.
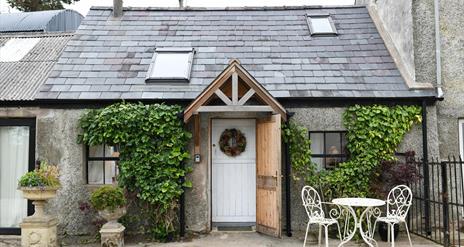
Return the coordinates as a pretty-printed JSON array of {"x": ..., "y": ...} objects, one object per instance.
[{"x": 440, "y": 93}]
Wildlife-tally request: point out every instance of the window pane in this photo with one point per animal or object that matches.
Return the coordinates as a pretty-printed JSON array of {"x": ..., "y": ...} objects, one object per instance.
[
  {"x": 112, "y": 151},
  {"x": 171, "y": 65},
  {"x": 332, "y": 143},
  {"x": 317, "y": 143},
  {"x": 111, "y": 172},
  {"x": 331, "y": 162},
  {"x": 321, "y": 25},
  {"x": 319, "y": 163},
  {"x": 14, "y": 157},
  {"x": 95, "y": 172},
  {"x": 344, "y": 142},
  {"x": 96, "y": 151}
]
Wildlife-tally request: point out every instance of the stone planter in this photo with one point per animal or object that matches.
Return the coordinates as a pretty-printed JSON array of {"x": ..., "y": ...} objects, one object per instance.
[
  {"x": 112, "y": 233},
  {"x": 39, "y": 229}
]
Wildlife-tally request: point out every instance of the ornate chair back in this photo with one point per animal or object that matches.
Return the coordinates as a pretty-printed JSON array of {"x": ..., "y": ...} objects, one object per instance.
[
  {"x": 399, "y": 200},
  {"x": 312, "y": 203}
]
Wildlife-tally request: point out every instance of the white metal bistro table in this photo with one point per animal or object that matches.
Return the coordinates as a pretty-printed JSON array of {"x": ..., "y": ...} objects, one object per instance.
[{"x": 348, "y": 214}]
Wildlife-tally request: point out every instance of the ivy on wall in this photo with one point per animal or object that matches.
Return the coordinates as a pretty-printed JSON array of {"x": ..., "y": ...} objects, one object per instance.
[
  {"x": 299, "y": 147},
  {"x": 153, "y": 144},
  {"x": 373, "y": 134}
]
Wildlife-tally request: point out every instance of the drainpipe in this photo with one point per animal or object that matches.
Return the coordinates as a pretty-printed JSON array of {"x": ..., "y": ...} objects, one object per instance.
[
  {"x": 180, "y": 115},
  {"x": 425, "y": 168},
  {"x": 440, "y": 93},
  {"x": 182, "y": 207},
  {"x": 288, "y": 168}
]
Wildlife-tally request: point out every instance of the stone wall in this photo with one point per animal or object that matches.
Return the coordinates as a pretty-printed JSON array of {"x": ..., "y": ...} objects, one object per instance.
[
  {"x": 411, "y": 25},
  {"x": 452, "y": 43},
  {"x": 57, "y": 131},
  {"x": 397, "y": 20},
  {"x": 56, "y": 136}
]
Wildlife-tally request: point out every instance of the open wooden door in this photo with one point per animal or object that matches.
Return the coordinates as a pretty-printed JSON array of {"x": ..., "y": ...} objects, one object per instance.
[{"x": 268, "y": 178}]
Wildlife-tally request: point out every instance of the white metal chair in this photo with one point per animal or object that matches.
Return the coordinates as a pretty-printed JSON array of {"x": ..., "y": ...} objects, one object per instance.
[
  {"x": 398, "y": 201},
  {"x": 313, "y": 206}
]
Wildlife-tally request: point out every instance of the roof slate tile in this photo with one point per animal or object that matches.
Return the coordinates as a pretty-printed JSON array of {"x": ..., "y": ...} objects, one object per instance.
[{"x": 273, "y": 44}]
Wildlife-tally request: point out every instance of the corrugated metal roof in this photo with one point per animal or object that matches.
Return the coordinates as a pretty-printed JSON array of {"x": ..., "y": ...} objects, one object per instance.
[
  {"x": 109, "y": 57},
  {"x": 21, "y": 80},
  {"x": 41, "y": 21}
]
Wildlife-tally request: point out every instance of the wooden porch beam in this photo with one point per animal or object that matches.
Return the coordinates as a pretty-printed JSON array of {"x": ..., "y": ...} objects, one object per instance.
[
  {"x": 234, "y": 88},
  {"x": 236, "y": 108},
  {"x": 223, "y": 97},
  {"x": 246, "y": 97},
  {"x": 196, "y": 133}
]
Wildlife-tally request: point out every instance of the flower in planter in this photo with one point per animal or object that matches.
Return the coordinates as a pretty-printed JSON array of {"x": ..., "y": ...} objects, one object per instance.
[
  {"x": 108, "y": 198},
  {"x": 45, "y": 175}
]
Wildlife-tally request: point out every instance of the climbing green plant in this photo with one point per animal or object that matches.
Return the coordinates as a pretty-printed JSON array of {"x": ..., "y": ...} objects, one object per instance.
[
  {"x": 373, "y": 134},
  {"x": 152, "y": 143},
  {"x": 299, "y": 147}
]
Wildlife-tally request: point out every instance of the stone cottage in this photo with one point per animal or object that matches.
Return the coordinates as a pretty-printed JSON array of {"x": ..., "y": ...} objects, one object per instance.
[{"x": 235, "y": 68}]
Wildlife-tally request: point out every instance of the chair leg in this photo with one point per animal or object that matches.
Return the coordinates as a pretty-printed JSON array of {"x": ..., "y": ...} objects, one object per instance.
[
  {"x": 339, "y": 232},
  {"x": 326, "y": 235},
  {"x": 320, "y": 236},
  {"x": 407, "y": 231},
  {"x": 393, "y": 235},
  {"x": 306, "y": 235},
  {"x": 388, "y": 233}
]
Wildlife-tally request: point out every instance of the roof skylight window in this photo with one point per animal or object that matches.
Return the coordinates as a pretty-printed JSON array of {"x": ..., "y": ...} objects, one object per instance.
[
  {"x": 321, "y": 24},
  {"x": 15, "y": 49},
  {"x": 171, "y": 64}
]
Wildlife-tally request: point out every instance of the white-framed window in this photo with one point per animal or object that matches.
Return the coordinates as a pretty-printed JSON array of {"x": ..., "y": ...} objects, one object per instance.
[
  {"x": 15, "y": 49},
  {"x": 321, "y": 25},
  {"x": 171, "y": 64},
  {"x": 461, "y": 137}
]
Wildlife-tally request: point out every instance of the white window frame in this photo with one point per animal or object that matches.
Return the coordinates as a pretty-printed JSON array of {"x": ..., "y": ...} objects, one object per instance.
[
  {"x": 149, "y": 78},
  {"x": 313, "y": 32},
  {"x": 461, "y": 137}
]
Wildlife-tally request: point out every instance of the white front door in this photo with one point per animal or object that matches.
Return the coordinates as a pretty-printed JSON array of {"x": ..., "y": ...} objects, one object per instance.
[{"x": 234, "y": 178}]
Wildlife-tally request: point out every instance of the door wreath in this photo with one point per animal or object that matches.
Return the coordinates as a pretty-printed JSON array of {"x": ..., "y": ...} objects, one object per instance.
[{"x": 232, "y": 142}]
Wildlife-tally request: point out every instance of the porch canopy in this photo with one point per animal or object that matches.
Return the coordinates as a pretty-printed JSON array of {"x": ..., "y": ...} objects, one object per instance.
[{"x": 234, "y": 90}]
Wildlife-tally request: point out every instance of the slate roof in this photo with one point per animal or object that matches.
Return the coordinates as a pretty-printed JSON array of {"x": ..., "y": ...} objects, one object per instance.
[
  {"x": 21, "y": 80},
  {"x": 108, "y": 58},
  {"x": 65, "y": 20}
]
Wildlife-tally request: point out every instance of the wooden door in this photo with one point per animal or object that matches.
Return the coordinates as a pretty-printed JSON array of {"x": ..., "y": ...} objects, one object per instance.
[
  {"x": 234, "y": 178},
  {"x": 268, "y": 178}
]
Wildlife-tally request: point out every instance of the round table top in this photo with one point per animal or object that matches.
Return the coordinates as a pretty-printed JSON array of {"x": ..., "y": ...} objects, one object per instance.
[{"x": 358, "y": 202}]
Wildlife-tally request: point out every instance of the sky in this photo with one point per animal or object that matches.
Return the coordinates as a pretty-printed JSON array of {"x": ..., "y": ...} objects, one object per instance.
[{"x": 83, "y": 6}]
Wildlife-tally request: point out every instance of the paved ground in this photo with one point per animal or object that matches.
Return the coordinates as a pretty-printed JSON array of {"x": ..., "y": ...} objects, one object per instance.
[
  {"x": 240, "y": 239},
  {"x": 251, "y": 239},
  {"x": 248, "y": 239}
]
